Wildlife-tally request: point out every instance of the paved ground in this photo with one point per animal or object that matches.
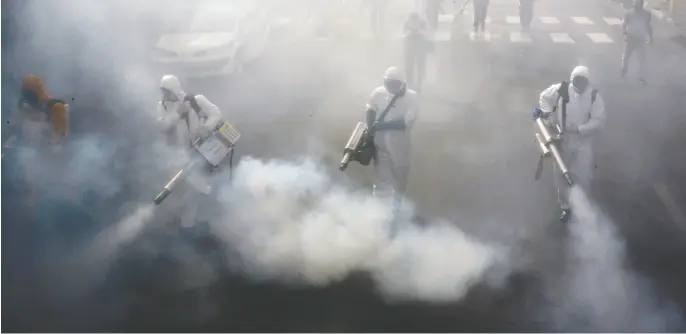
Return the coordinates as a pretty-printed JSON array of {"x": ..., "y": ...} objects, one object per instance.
[{"x": 475, "y": 122}]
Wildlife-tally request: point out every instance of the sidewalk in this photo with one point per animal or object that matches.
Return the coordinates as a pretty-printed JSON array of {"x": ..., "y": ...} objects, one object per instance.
[
  {"x": 669, "y": 11},
  {"x": 662, "y": 10}
]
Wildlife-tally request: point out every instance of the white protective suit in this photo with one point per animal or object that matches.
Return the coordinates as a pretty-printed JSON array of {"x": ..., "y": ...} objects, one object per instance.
[
  {"x": 392, "y": 162},
  {"x": 182, "y": 131},
  {"x": 170, "y": 113},
  {"x": 577, "y": 148}
]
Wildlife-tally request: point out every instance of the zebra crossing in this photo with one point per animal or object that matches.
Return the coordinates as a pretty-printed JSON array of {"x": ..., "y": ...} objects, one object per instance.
[{"x": 553, "y": 29}]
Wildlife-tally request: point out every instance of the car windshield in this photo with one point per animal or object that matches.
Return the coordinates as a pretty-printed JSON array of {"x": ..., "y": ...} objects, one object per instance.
[{"x": 218, "y": 19}]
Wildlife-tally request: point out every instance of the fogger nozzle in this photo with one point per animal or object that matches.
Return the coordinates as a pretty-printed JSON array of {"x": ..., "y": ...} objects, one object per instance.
[
  {"x": 345, "y": 161},
  {"x": 162, "y": 195},
  {"x": 170, "y": 185},
  {"x": 568, "y": 178}
]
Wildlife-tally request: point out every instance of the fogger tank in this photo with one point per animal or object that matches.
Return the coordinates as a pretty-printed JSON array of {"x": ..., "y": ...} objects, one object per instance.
[{"x": 213, "y": 149}]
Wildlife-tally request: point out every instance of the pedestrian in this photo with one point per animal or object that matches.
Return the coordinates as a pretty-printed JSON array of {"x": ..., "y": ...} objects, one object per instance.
[
  {"x": 583, "y": 117},
  {"x": 526, "y": 13},
  {"x": 377, "y": 16},
  {"x": 637, "y": 31},
  {"x": 41, "y": 125},
  {"x": 480, "y": 13},
  {"x": 417, "y": 47},
  {"x": 432, "y": 8}
]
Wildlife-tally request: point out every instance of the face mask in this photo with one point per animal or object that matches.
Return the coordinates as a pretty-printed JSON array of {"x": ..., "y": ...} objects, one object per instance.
[
  {"x": 167, "y": 95},
  {"x": 393, "y": 86},
  {"x": 580, "y": 84}
]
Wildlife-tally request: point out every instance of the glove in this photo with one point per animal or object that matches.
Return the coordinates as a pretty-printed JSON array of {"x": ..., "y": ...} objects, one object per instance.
[
  {"x": 203, "y": 131},
  {"x": 572, "y": 129},
  {"x": 183, "y": 109}
]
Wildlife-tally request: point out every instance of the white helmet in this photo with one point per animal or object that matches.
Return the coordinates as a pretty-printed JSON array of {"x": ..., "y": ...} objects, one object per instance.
[
  {"x": 394, "y": 80},
  {"x": 172, "y": 84},
  {"x": 394, "y": 73},
  {"x": 579, "y": 71}
]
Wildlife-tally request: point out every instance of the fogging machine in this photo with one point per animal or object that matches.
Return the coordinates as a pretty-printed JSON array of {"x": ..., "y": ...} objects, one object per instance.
[
  {"x": 213, "y": 148},
  {"x": 550, "y": 136},
  {"x": 360, "y": 146}
]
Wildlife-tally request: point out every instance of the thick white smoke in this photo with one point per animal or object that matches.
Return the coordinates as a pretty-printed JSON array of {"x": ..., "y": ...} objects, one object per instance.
[
  {"x": 291, "y": 222},
  {"x": 600, "y": 293},
  {"x": 94, "y": 261}
]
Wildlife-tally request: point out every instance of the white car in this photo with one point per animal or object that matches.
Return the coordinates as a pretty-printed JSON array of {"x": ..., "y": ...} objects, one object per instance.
[{"x": 217, "y": 40}]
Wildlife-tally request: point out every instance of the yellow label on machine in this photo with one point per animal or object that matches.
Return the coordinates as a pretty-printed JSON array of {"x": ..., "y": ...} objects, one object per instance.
[{"x": 228, "y": 134}]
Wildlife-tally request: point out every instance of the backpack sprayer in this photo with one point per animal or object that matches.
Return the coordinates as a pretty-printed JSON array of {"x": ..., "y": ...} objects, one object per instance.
[{"x": 213, "y": 148}]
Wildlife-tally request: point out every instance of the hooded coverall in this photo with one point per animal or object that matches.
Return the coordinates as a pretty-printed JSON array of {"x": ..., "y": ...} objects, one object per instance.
[
  {"x": 181, "y": 132},
  {"x": 393, "y": 147},
  {"x": 577, "y": 148},
  {"x": 417, "y": 47}
]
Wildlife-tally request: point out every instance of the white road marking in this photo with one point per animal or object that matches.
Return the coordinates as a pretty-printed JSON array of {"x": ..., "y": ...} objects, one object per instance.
[
  {"x": 613, "y": 21},
  {"x": 518, "y": 37},
  {"x": 549, "y": 20},
  {"x": 512, "y": 19},
  {"x": 484, "y": 36},
  {"x": 599, "y": 38},
  {"x": 561, "y": 38},
  {"x": 657, "y": 13},
  {"x": 442, "y": 35},
  {"x": 582, "y": 20},
  {"x": 446, "y": 18}
]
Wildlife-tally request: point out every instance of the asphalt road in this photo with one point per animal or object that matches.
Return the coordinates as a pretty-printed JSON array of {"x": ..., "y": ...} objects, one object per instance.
[{"x": 473, "y": 163}]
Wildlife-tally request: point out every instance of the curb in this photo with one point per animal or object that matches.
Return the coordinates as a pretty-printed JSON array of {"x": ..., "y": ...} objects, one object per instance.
[
  {"x": 656, "y": 13},
  {"x": 660, "y": 15}
]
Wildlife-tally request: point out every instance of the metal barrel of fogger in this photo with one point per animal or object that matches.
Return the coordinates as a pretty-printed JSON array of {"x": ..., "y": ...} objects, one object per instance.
[
  {"x": 174, "y": 180},
  {"x": 167, "y": 190},
  {"x": 353, "y": 144},
  {"x": 548, "y": 146}
]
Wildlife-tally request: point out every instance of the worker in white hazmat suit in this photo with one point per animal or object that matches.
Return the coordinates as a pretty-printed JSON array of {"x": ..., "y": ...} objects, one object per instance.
[
  {"x": 183, "y": 118},
  {"x": 392, "y": 111},
  {"x": 585, "y": 117}
]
